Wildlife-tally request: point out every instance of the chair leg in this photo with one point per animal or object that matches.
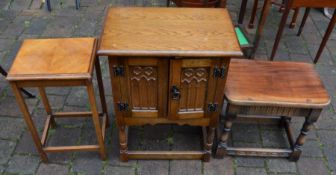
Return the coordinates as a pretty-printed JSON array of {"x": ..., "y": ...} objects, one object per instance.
[
  {"x": 29, "y": 122},
  {"x": 280, "y": 31},
  {"x": 28, "y": 94},
  {"x": 253, "y": 15},
  {"x": 77, "y": 2},
  {"x": 296, "y": 14},
  {"x": 96, "y": 122},
  {"x": 48, "y": 5},
  {"x": 304, "y": 20},
  {"x": 222, "y": 3},
  {"x": 3, "y": 72},
  {"x": 326, "y": 37},
  {"x": 262, "y": 21},
  {"x": 242, "y": 12},
  {"x": 168, "y": 3},
  {"x": 309, "y": 121}
]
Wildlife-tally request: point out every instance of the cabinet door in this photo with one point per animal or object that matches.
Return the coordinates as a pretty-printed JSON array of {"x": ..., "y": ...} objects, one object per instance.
[
  {"x": 192, "y": 87},
  {"x": 145, "y": 83}
]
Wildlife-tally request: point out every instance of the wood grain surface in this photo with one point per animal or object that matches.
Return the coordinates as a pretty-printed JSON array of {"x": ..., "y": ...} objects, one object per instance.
[
  {"x": 275, "y": 84},
  {"x": 193, "y": 32},
  {"x": 54, "y": 59}
]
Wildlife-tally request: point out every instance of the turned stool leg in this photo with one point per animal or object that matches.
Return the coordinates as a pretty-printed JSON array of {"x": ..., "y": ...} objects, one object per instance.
[
  {"x": 47, "y": 106},
  {"x": 29, "y": 122},
  {"x": 95, "y": 117},
  {"x": 222, "y": 145},
  {"x": 309, "y": 121},
  {"x": 283, "y": 121},
  {"x": 123, "y": 144},
  {"x": 101, "y": 90}
]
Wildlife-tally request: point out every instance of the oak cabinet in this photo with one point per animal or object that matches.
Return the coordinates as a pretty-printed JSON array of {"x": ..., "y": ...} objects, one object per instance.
[{"x": 168, "y": 66}]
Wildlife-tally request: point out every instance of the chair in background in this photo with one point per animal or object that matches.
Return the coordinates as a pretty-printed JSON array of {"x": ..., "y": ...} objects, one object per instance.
[
  {"x": 28, "y": 94},
  {"x": 198, "y": 3},
  {"x": 308, "y": 4},
  {"x": 77, "y": 3},
  {"x": 254, "y": 13}
]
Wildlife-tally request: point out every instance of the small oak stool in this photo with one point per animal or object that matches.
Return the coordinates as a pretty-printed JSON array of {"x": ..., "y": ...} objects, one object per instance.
[
  {"x": 257, "y": 90},
  {"x": 56, "y": 63}
]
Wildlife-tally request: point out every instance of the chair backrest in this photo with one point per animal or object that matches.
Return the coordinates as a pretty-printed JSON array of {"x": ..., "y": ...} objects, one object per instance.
[
  {"x": 197, "y": 3},
  {"x": 312, "y": 3}
]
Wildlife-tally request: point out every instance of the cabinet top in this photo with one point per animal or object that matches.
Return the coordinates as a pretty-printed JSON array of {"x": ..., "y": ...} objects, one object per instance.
[{"x": 190, "y": 32}]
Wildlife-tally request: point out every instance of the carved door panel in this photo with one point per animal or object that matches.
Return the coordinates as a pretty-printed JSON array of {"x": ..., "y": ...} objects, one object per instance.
[
  {"x": 192, "y": 87},
  {"x": 147, "y": 81}
]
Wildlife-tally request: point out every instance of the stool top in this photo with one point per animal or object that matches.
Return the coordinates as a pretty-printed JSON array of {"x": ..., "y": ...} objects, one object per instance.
[
  {"x": 265, "y": 83},
  {"x": 48, "y": 59}
]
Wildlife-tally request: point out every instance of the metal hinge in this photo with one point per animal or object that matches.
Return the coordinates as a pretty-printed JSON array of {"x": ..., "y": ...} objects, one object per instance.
[
  {"x": 122, "y": 106},
  {"x": 219, "y": 72},
  {"x": 212, "y": 107},
  {"x": 118, "y": 70}
]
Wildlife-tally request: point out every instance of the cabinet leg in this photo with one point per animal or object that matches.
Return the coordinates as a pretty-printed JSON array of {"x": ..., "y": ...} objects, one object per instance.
[
  {"x": 123, "y": 144},
  {"x": 208, "y": 144}
]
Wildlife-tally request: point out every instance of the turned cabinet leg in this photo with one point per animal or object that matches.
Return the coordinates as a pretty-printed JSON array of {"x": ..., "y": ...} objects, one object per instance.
[
  {"x": 309, "y": 121},
  {"x": 222, "y": 143},
  {"x": 123, "y": 144},
  {"x": 208, "y": 144}
]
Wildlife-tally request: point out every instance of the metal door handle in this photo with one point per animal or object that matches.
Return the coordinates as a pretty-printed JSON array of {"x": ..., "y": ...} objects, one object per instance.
[{"x": 176, "y": 93}]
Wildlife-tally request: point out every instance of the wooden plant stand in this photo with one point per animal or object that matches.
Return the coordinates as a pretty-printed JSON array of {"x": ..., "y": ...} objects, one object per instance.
[{"x": 38, "y": 65}]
